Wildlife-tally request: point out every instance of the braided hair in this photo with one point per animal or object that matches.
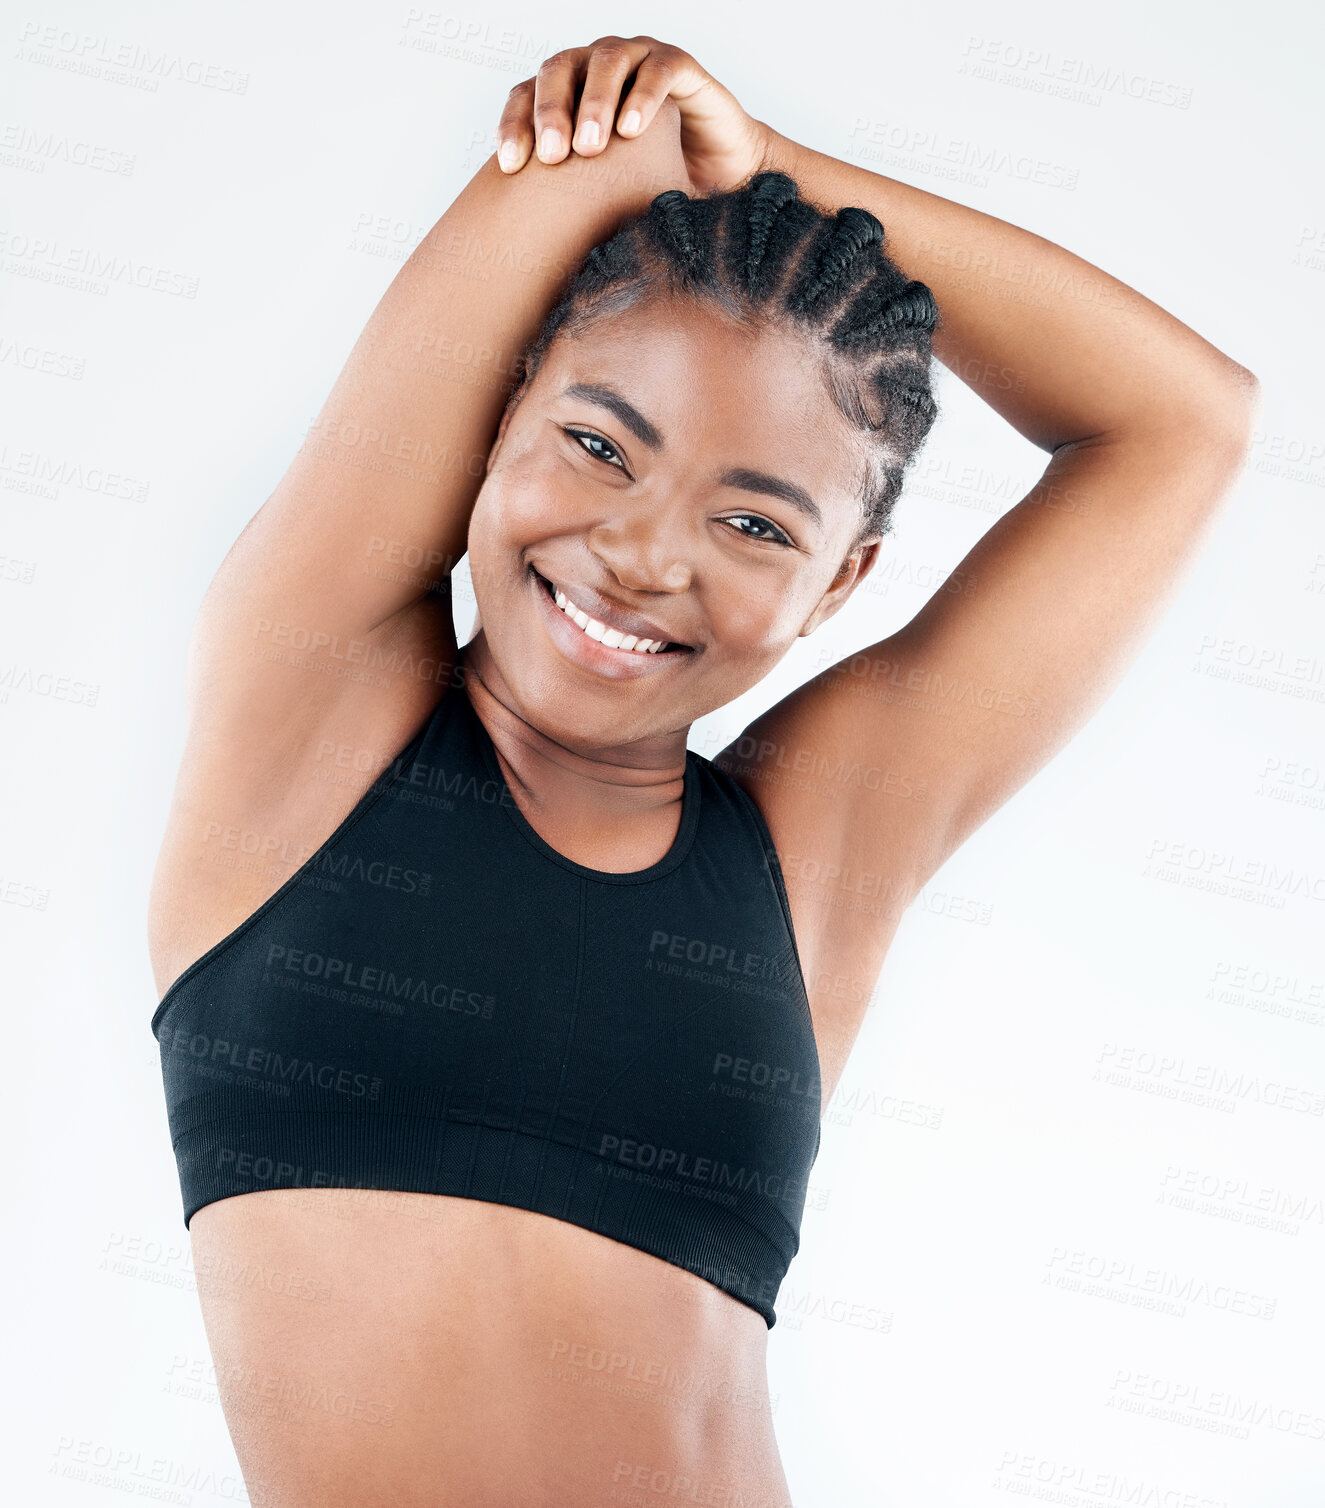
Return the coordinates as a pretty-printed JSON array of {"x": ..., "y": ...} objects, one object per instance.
[{"x": 762, "y": 253}]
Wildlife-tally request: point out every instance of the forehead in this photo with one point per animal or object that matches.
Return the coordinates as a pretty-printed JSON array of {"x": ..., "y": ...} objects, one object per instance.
[{"x": 719, "y": 392}]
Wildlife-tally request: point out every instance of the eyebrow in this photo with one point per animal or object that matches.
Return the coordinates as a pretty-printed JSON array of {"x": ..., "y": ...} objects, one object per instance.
[{"x": 738, "y": 476}]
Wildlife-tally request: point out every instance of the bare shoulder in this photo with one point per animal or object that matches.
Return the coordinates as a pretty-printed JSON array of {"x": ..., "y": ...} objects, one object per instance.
[
  {"x": 833, "y": 804},
  {"x": 273, "y": 763}
]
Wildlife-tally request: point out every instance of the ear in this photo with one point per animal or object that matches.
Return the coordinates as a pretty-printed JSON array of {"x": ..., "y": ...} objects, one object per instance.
[{"x": 853, "y": 570}]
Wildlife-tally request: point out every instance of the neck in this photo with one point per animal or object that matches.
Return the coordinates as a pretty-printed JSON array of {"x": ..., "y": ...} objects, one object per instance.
[{"x": 578, "y": 788}]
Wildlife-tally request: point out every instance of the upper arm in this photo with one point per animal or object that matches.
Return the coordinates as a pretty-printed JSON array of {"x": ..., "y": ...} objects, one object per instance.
[
  {"x": 374, "y": 508},
  {"x": 961, "y": 706}
]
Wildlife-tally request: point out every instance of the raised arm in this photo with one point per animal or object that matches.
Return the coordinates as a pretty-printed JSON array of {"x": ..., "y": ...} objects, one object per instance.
[
  {"x": 1147, "y": 424},
  {"x": 320, "y": 646},
  {"x": 375, "y": 506},
  {"x": 1067, "y": 354}
]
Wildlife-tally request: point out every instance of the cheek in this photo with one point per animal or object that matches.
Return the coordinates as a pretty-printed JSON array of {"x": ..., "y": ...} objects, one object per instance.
[
  {"x": 483, "y": 542},
  {"x": 517, "y": 509},
  {"x": 499, "y": 523},
  {"x": 494, "y": 547},
  {"x": 520, "y": 505},
  {"x": 758, "y": 625}
]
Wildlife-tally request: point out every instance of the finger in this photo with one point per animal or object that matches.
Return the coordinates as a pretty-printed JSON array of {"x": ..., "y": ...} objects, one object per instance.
[
  {"x": 611, "y": 61},
  {"x": 554, "y": 98},
  {"x": 515, "y": 129},
  {"x": 664, "y": 71}
]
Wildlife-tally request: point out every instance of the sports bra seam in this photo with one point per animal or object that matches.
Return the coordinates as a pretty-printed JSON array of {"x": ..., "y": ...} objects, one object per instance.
[
  {"x": 662, "y": 1032},
  {"x": 574, "y": 1021},
  {"x": 773, "y": 863},
  {"x": 580, "y": 1151},
  {"x": 366, "y": 803}
]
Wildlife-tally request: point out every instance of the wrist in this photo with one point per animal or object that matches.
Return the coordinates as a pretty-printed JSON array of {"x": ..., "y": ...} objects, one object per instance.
[
  {"x": 778, "y": 153},
  {"x": 810, "y": 169}
]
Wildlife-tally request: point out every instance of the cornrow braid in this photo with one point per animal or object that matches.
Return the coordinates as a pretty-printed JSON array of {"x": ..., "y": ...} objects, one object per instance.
[
  {"x": 762, "y": 253},
  {"x": 839, "y": 243},
  {"x": 750, "y": 227},
  {"x": 882, "y": 309}
]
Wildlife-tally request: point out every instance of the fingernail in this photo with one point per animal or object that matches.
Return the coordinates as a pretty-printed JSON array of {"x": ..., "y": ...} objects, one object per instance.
[
  {"x": 507, "y": 155},
  {"x": 549, "y": 143},
  {"x": 589, "y": 133},
  {"x": 630, "y": 122}
]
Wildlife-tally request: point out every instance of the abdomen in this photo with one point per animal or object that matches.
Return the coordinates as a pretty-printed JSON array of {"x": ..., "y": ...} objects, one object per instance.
[{"x": 423, "y": 1349}]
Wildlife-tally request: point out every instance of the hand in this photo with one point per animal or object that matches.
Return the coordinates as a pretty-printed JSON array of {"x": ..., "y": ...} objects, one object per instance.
[{"x": 722, "y": 145}]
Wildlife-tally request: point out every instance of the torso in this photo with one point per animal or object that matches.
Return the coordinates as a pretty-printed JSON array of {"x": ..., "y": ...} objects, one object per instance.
[{"x": 442, "y": 1350}]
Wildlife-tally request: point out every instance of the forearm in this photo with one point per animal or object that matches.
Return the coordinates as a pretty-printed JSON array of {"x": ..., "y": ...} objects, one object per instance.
[
  {"x": 396, "y": 457},
  {"x": 1060, "y": 349}
]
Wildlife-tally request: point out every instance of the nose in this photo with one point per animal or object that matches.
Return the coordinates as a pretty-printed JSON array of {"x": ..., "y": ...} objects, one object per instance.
[{"x": 642, "y": 552}]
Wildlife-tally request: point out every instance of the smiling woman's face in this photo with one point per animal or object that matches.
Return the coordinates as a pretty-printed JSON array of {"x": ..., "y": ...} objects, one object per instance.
[{"x": 682, "y": 478}]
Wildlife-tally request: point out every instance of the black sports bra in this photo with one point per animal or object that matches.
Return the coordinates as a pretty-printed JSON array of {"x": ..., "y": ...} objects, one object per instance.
[{"x": 439, "y": 1002}]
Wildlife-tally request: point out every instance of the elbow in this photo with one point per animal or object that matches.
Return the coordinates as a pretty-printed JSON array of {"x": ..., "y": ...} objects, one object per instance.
[
  {"x": 1239, "y": 419},
  {"x": 1213, "y": 408},
  {"x": 1243, "y": 397},
  {"x": 1226, "y": 417}
]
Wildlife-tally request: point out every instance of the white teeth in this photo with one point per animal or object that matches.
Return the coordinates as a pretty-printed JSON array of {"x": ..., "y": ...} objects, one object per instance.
[{"x": 612, "y": 637}]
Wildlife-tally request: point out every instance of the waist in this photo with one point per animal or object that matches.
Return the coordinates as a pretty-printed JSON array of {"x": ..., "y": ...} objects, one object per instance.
[{"x": 451, "y": 1350}]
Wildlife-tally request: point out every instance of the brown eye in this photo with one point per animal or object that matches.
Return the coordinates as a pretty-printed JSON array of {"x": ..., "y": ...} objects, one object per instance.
[
  {"x": 776, "y": 536},
  {"x": 584, "y": 435}
]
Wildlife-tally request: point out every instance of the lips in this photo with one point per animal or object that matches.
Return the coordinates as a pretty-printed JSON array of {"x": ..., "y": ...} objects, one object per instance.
[{"x": 607, "y": 624}]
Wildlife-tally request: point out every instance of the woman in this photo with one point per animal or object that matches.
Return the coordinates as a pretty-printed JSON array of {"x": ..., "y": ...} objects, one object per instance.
[{"x": 501, "y": 1025}]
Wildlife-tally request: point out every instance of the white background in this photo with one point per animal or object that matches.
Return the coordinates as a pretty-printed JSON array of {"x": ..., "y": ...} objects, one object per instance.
[{"x": 939, "y": 1342}]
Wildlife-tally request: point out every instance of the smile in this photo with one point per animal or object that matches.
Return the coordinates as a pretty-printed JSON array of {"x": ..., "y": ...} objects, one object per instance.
[{"x": 603, "y": 633}]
